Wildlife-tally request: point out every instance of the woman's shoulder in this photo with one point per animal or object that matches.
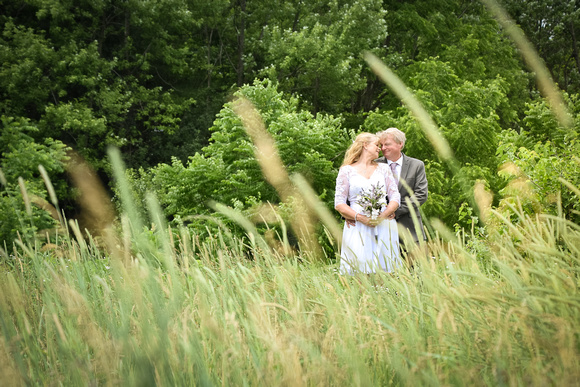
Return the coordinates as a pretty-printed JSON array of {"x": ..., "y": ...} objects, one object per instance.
[
  {"x": 383, "y": 166},
  {"x": 384, "y": 169}
]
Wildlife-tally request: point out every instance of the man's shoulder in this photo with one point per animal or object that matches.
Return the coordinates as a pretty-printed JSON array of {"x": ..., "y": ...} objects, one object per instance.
[
  {"x": 411, "y": 160},
  {"x": 381, "y": 160}
]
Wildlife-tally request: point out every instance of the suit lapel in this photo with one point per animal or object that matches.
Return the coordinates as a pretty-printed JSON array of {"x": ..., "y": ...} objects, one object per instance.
[{"x": 404, "y": 169}]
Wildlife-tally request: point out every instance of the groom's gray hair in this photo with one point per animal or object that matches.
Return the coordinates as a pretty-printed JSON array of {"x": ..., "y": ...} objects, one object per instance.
[{"x": 395, "y": 133}]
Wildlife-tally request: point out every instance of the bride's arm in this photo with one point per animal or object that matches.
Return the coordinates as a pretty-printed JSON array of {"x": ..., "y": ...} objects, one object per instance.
[
  {"x": 348, "y": 213},
  {"x": 340, "y": 196}
]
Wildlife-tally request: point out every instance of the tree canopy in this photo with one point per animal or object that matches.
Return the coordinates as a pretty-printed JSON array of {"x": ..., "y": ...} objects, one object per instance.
[{"x": 156, "y": 81}]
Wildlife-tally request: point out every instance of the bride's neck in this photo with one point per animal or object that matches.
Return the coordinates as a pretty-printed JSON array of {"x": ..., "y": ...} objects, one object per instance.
[{"x": 365, "y": 160}]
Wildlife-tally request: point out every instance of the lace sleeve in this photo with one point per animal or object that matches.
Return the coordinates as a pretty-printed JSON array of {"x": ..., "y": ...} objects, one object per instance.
[
  {"x": 342, "y": 187},
  {"x": 392, "y": 190}
]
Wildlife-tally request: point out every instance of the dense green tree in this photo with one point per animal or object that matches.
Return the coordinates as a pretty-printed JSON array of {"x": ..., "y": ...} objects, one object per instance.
[
  {"x": 543, "y": 154},
  {"x": 140, "y": 66},
  {"x": 318, "y": 57},
  {"x": 553, "y": 27},
  {"x": 24, "y": 199},
  {"x": 151, "y": 78},
  {"x": 227, "y": 171},
  {"x": 462, "y": 35},
  {"x": 78, "y": 97}
]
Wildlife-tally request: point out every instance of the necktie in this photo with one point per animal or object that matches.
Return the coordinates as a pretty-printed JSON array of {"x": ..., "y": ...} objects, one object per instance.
[{"x": 394, "y": 170}]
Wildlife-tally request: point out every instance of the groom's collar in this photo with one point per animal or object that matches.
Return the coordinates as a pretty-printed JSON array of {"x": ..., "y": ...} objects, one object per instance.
[{"x": 398, "y": 161}]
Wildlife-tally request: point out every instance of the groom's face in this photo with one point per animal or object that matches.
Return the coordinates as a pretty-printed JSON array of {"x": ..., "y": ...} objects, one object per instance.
[{"x": 390, "y": 148}]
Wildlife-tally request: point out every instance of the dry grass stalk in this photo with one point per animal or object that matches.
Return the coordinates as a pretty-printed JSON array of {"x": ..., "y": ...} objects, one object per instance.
[
  {"x": 97, "y": 211},
  {"x": 49, "y": 187},
  {"x": 25, "y": 196},
  {"x": 44, "y": 205},
  {"x": 10, "y": 375},
  {"x": 3, "y": 178},
  {"x": 483, "y": 198},
  {"x": 273, "y": 169}
]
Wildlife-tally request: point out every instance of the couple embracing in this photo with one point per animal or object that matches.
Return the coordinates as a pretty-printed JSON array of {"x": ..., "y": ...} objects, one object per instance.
[{"x": 374, "y": 195}]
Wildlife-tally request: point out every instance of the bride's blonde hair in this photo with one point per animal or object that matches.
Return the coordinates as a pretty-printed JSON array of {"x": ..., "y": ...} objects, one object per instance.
[{"x": 355, "y": 150}]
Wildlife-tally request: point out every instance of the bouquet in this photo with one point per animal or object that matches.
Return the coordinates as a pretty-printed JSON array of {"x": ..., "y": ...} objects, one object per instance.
[{"x": 372, "y": 201}]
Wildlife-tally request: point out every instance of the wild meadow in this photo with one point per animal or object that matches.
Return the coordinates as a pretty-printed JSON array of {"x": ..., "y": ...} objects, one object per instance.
[
  {"x": 158, "y": 306},
  {"x": 136, "y": 300}
]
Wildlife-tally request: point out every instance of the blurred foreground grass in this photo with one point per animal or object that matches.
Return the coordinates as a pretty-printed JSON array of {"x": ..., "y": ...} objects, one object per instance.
[{"x": 164, "y": 308}]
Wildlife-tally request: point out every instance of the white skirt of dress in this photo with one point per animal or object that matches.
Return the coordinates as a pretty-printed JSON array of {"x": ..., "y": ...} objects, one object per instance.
[{"x": 370, "y": 249}]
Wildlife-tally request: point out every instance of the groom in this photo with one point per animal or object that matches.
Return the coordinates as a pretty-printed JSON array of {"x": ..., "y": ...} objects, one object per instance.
[{"x": 413, "y": 193}]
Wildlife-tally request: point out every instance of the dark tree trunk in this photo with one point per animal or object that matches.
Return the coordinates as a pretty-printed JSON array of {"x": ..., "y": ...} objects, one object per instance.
[
  {"x": 241, "y": 43},
  {"x": 575, "y": 46}
]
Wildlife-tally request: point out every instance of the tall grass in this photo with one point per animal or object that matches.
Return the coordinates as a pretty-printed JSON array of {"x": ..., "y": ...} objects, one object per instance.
[{"x": 159, "y": 306}]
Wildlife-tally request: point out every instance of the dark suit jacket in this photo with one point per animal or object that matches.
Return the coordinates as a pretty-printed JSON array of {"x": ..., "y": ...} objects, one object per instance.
[{"x": 413, "y": 173}]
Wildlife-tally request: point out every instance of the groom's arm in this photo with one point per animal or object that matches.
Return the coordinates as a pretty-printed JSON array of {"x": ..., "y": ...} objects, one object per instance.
[{"x": 419, "y": 189}]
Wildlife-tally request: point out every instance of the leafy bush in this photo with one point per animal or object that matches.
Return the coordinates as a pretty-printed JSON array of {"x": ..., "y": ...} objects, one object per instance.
[
  {"x": 20, "y": 158},
  {"x": 227, "y": 172},
  {"x": 539, "y": 160}
]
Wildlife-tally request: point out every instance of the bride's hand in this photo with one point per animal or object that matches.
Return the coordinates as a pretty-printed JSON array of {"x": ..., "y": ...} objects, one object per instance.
[
  {"x": 387, "y": 216},
  {"x": 367, "y": 221}
]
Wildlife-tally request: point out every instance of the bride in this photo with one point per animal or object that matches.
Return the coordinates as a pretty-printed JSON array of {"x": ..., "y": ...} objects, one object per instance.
[{"x": 373, "y": 242}]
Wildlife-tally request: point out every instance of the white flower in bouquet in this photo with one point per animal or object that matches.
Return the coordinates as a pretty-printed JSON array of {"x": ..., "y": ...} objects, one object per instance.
[{"x": 372, "y": 201}]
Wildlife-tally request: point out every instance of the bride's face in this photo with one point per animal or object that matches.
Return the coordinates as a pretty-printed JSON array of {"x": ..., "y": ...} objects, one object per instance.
[{"x": 373, "y": 148}]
